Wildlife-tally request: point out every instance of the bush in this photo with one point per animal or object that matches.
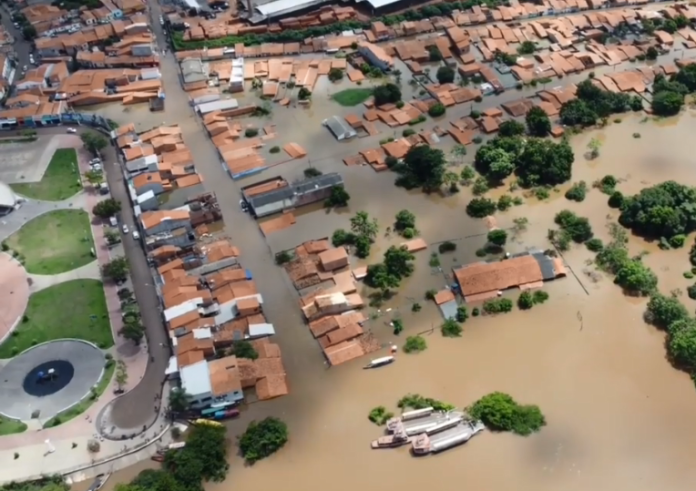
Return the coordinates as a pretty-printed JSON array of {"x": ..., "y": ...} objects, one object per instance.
[
  {"x": 500, "y": 412},
  {"x": 525, "y": 301},
  {"x": 437, "y": 110},
  {"x": 577, "y": 192},
  {"x": 497, "y": 237},
  {"x": 691, "y": 292},
  {"x": 275, "y": 149},
  {"x": 577, "y": 228},
  {"x": 251, "y": 132},
  {"x": 505, "y": 202},
  {"x": 451, "y": 329},
  {"x": 263, "y": 439},
  {"x": 380, "y": 415},
  {"x": 430, "y": 294},
  {"x": 408, "y": 132},
  {"x": 475, "y": 312},
  {"x": 446, "y": 246},
  {"x": 462, "y": 314},
  {"x": 662, "y": 311},
  {"x": 540, "y": 296},
  {"x": 415, "y": 344},
  {"x": 616, "y": 200},
  {"x": 480, "y": 208},
  {"x": 341, "y": 237},
  {"x": 542, "y": 194},
  {"x": 594, "y": 244},
  {"x": 498, "y": 306}
]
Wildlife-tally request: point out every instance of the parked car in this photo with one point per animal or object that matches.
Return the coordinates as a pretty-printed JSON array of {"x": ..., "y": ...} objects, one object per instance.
[
  {"x": 96, "y": 167},
  {"x": 125, "y": 228},
  {"x": 113, "y": 221},
  {"x": 136, "y": 235},
  {"x": 72, "y": 130},
  {"x": 95, "y": 161}
]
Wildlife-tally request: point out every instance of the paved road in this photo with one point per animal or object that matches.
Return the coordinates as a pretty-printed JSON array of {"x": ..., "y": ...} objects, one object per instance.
[{"x": 21, "y": 47}]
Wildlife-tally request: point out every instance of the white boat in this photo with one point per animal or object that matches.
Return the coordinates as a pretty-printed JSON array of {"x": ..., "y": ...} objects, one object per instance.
[{"x": 378, "y": 362}]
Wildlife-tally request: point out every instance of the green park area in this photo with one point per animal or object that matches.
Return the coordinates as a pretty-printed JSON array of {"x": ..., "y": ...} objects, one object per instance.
[
  {"x": 73, "y": 309},
  {"x": 54, "y": 242},
  {"x": 85, "y": 403},
  {"x": 352, "y": 97},
  {"x": 60, "y": 181},
  {"x": 11, "y": 426}
]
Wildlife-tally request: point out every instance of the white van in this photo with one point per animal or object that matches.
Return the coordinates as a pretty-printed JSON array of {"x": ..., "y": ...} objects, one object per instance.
[{"x": 113, "y": 221}]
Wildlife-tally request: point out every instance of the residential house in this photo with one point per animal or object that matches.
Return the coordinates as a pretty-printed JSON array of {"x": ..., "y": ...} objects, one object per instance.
[
  {"x": 376, "y": 55},
  {"x": 165, "y": 221},
  {"x": 215, "y": 382}
]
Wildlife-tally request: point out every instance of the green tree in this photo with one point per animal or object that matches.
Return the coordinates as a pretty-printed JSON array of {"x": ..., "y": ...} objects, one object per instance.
[
  {"x": 204, "y": 458},
  {"x": 304, "y": 94},
  {"x": 363, "y": 226},
  {"x": 244, "y": 349},
  {"x": 462, "y": 314},
  {"x": 577, "y": 228},
  {"x": 93, "y": 142},
  {"x": 526, "y": 48},
  {"x": 667, "y": 103},
  {"x": 153, "y": 480},
  {"x": 497, "y": 237},
  {"x": 525, "y": 301},
  {"x": 543, "y": 162},
  {"x": 451, "y": 329},
  {"x": 263, "y": 439},
  {"x": 339, "y": 197},
  {"x": 29, "y": 32},
  {"x": 662, "y": 311},
  {"x": 335, "y": 74},
  {"x": 179, "y": 401},
  {"x": 132, "y": 330},
  {"x": 415, "y": 344},
  {"x": 437, "y": 110},
  {"x": 399, "y": 261},
  {"x": 405, "y": 219},
  {"x": 593, "y": 146},
  {"x": 669, "y": 26},
  {"x": 386, "y": 94},
  {"x": 636, "y": 278},
  {"x": 510, "y": 128},
  {"x": 116, "y": 270},
  {"x": 682, "y": 348},
  {"x": 500, "y": 412},
  {"x": 458, "y": 152},
  {"x": 107, "y": 208},
  {"x": 538, "y": 122},
  {"x": 378, "y": 276},
  {"x": 445, "y": 75},
  {"x": 687, "y": 77},
  {"x": 480, "y": 207},
  {"x": 94, "y": 176},
  {"x": 423, "y": 167},
  {"x": 651, "y": 53}
]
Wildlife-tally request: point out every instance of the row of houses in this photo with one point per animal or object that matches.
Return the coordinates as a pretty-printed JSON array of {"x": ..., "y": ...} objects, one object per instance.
[{"x": 210, "y": 303}]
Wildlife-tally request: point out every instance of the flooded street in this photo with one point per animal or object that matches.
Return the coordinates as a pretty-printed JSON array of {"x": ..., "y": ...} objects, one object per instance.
[{"x": 619, "y": 416}]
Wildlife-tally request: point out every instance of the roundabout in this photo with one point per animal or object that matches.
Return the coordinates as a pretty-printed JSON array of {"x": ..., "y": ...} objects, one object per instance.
[{"x": 49, "y": 378}]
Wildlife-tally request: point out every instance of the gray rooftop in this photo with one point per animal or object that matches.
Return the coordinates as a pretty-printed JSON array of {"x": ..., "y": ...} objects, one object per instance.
[{"x": 297, "y": 189}]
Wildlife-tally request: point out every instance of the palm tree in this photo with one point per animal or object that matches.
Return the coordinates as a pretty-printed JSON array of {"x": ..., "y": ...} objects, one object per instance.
[
  {"x": 397, "y": 76},
  {"x": 179, "y": 401}
]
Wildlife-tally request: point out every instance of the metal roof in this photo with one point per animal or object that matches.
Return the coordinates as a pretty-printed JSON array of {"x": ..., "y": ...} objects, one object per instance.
[
  {"x": 378, "y": 4},
  {"x": 7, "y": 197},
  {"x": 280, "y": 7},
  {"x": 340, "y": 127},
  {"x": 195, "y": 379},
  {"x": 300, "y": 188}
]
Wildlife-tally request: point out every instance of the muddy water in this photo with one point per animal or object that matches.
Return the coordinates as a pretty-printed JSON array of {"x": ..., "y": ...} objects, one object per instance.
[{"x": 618, "y": 414}]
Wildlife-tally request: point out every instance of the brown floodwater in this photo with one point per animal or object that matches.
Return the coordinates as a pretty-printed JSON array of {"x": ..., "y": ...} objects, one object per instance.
[{"x": 619, "y": 416}]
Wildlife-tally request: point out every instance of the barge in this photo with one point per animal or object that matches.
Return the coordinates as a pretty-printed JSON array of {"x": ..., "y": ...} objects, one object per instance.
[
  {"x": 426, "y": 443},
  {"x": 397, "y": 439},
  {"x": 432, "y": 422}
]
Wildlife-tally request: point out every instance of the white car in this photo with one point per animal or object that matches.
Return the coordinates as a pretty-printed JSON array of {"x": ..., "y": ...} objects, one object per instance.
[
  {"x": 72, "y": 130},
  {"x": 95, "y": 161},
  {"x": 96, "y": 167},
  {"x": 125, "y": 228},
  {"x": 136, "y": 235}
]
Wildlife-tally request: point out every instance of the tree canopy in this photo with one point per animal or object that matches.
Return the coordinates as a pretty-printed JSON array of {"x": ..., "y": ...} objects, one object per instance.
[
  {"x": 387, "y": 93},
  {"x": 445, "y": 75},
  {"x": 93, "y": 141},
  {"x": 107, "y": 208},
  {"x": 116, "y": 270},
  {"x": 664, "y": 210},
  {"x": 511, "y": 127},
  {"x": 500, "y": 412},
  {"x": 538, "y": 122},
  {"x": 536, "y": 161},
  {"x": 591, "y": 104},
  {"x": 423, "y": 166},
  {"x": 263, "y": 438}
]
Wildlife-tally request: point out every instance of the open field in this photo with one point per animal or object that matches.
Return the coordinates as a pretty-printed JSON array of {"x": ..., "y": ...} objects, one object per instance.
[
  {"x": 85, "y": 404},
  {"x": 11, "y": 426},
  {"x": 74, "y": 309},
  {"x": 352, "y": 97},
  {"x": 60, "y": 181},
  {"x": 55, "y": 242}
]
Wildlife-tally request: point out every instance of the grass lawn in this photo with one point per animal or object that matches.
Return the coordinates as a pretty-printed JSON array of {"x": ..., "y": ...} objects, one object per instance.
[
  {"x": 55, "y": 242},
  {"x": 11, "y": 426},
  {"x": 85, "y": 403},
  {"x": 352, "y": 97},
  {"x": 60, "y": 181},
  {"x": 74, "y": 309}
]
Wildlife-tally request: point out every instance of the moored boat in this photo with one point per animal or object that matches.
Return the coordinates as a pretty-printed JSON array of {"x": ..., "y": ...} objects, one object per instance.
[
  {"x": 397, "y": 439},
  {"x": 379, "y": 362}
]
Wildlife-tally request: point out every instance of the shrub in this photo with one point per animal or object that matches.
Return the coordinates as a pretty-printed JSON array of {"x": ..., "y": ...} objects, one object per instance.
[
  {"x": 540, "y": 296},
  {"x": 251, "y": 132},
  {"x": 505, "y": 202},
  {"x": 525, "y": 301},
  {"x": 497, "y": 237},
  {"x": 594, "y": 244},
  {"x": 263, "y": 439},
  {"x": 415, "y": 344},
  {"x": 416, "y": 307},
  {"x": 691, "y": 291},
  {"x": 577, "y": 192},
  {"x": 446, "y": 246},
  {"x": 437, "y": 110},
  {"x": 462, "y": 314},
  {"x": 677, "y": 241},
  {"x": 451, "y": 329},
  {"x": 541, "y": 193},
  {"x": 616, "y": 200},
  {"x": 500, "y": 412},
  {"x": 408, "y": 132},
  {"x": 498, "y": 306},
  {"x": 480, "y": 207},
  {"x": 275, "y": 149},
  {"x": 577, "y": 228},
  {"x": 475, "y": 312},
  {"x": 430, "y": 294},
  {"x": 380, "y": 415}
]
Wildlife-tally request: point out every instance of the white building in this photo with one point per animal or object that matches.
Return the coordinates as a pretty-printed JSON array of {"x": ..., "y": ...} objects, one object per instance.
[
  {"x": 212, "y": 382},
  {"x": 8, "y": 199}
]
